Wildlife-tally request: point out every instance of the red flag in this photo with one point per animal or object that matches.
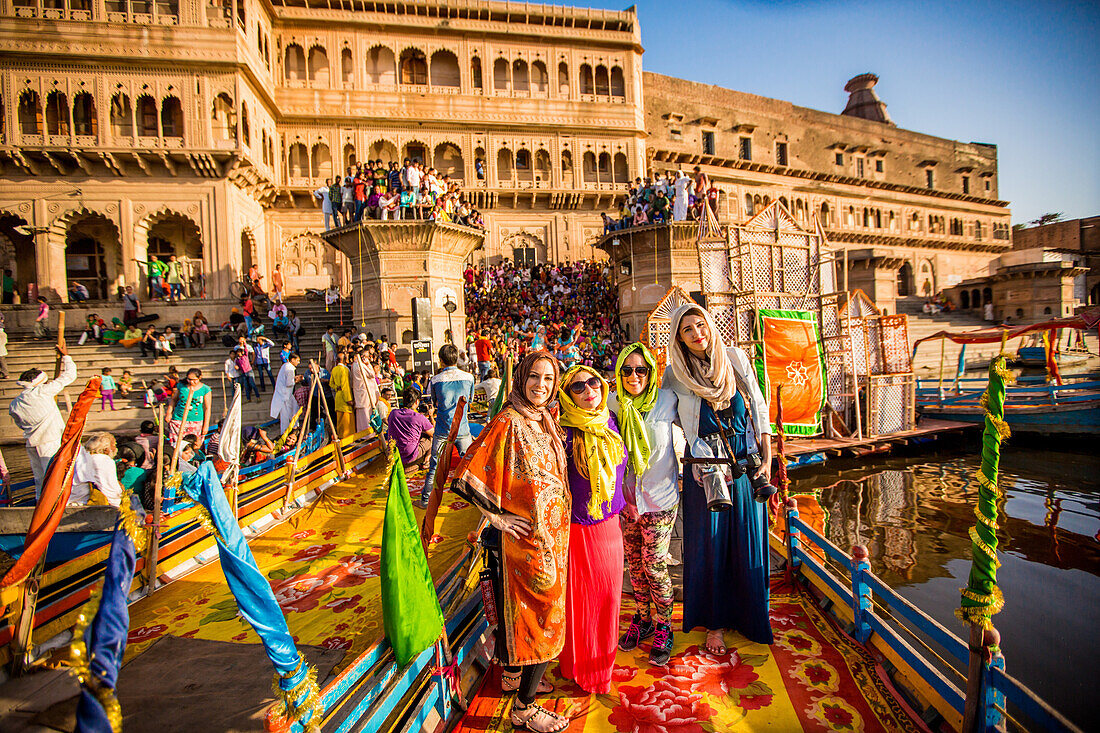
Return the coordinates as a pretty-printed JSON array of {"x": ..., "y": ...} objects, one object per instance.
[{"x": 56, "y": 487}]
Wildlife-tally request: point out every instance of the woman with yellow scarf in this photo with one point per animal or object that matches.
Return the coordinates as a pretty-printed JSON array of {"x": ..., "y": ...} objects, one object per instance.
[
  {"x": 646, "y": 414},
  {"x": 596, "y": 462}
]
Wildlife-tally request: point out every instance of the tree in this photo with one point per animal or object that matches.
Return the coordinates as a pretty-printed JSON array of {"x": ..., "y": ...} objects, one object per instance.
[{"x": 1048, "y": 218}]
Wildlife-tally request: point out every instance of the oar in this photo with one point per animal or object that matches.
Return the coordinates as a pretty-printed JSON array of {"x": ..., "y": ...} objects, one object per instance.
[
  {"x": 154, "y": 544},
  {"x": 293, "y": 468},
  {"x": 337, "y": 449},
  {"x": 57, "y": 366}
]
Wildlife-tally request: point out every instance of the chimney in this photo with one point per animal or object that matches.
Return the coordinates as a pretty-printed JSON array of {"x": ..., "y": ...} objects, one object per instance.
[{"x": 862, "y": 100}]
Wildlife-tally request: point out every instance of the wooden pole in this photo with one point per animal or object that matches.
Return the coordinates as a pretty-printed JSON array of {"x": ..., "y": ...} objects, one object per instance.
[
  {"x": 158, "y": 492},
  {"x": 179, "y": 435},
  {"x": 57, "y": 366},
  {"x": 338, "y": 451},
  {"x": 298, "y": 447}
]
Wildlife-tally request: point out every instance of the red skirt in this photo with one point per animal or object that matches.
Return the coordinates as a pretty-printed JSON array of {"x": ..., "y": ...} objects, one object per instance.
[{"x": 593, "y": 592}]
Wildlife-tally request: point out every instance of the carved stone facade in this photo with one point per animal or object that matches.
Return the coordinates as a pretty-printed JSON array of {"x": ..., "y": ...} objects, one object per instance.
[{"x": 204, "y": 129}]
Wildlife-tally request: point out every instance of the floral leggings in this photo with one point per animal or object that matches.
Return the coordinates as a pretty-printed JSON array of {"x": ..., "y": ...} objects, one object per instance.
[{"x": 645, "y": 543}]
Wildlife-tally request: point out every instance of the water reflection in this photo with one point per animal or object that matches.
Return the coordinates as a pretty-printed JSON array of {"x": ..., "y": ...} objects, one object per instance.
[{"x": 914, "y": 514}]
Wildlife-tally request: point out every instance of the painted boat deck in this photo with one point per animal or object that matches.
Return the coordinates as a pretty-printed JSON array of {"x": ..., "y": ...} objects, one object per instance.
[{"x": 926, "y": 429}]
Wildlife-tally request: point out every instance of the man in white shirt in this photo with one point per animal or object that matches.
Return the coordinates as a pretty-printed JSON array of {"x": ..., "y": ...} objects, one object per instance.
[
  {"x": 34, "y": 411},
  {"x": 322, "y": 195}
]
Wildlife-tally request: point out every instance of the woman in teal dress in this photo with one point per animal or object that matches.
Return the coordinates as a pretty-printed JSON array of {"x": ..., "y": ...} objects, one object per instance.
[{"x": 725, "y": 554}]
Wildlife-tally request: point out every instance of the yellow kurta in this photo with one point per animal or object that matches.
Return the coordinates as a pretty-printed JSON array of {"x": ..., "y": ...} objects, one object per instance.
[{"x": 340, "y": 381}]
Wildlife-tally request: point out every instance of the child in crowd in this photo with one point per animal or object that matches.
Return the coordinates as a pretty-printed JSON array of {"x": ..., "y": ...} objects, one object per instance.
[
  {"x": 147, "y": 439},
  {"x": 172, "y": 378},
  {"x": 126, "y": 383},
  {"x": 156, "y": 393},
  {"x": 106, "y": 389}
]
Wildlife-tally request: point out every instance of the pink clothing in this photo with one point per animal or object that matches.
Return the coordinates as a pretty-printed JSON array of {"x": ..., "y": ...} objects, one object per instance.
[{"x": 593, "y": 593}]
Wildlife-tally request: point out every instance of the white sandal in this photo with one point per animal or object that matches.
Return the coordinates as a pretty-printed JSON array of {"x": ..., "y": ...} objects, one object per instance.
[{"x": 538, "y": 719}]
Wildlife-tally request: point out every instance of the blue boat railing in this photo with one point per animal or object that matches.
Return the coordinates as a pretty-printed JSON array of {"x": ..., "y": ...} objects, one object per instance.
[
  {"x": 970, "y": 391},
  {"x": 881, "y": 619}
]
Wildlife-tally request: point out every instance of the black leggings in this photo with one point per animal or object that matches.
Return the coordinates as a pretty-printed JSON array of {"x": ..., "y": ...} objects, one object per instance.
[{"x": 529, "y": 680}]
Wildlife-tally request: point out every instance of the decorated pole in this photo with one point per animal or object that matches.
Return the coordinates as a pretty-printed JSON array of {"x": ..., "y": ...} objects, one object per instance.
[{"x": 981, "y": 598}]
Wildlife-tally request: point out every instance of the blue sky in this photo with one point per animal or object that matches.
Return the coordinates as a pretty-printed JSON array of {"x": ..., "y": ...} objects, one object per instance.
[{"x": 1024, "y": 76}]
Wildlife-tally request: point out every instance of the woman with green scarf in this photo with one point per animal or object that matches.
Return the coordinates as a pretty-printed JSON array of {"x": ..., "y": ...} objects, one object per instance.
[
  {"x": 645, "y": 414},
  {"x": 596, "y": 463}
]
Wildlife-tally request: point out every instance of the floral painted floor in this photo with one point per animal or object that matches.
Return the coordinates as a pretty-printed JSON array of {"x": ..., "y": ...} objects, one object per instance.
[
  {"x": 323, "y": 565},
  {"x": 813, "y": 678}
]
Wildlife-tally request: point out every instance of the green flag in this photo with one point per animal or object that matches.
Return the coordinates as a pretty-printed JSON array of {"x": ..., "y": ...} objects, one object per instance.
[{"x": 410, "y": 607}]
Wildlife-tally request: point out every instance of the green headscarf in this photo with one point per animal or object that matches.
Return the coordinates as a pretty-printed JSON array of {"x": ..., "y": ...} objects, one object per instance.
[{"x": 631, "y": 426}]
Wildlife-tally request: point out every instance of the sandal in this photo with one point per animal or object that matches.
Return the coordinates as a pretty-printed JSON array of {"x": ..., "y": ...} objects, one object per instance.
[
  {"x": 537, "y": 719},
  {"x": 716, "y": 643},
  {"x": 509, "y": 682}
]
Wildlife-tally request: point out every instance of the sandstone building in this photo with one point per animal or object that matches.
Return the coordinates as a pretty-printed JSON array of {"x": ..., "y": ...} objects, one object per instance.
[{"x": 132, "y": 127}]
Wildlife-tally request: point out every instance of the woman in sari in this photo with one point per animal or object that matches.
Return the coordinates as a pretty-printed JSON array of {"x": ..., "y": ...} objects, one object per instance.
[
  {"x": 597, "y": 462},
  {"x": 515, "y": 474},
  {"x": 645, "y": 415},
  {"x": 725, "y": 553}
]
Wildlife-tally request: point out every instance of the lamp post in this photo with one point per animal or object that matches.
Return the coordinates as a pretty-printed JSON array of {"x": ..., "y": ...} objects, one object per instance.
[{"x": 450, "y": 305}]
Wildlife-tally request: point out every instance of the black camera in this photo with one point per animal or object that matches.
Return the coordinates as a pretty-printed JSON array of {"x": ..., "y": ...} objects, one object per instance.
[{"x": 761, "y": 489}]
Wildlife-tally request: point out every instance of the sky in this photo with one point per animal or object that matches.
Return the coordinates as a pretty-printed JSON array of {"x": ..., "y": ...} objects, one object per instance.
[{"x": 1024, "y": 76}]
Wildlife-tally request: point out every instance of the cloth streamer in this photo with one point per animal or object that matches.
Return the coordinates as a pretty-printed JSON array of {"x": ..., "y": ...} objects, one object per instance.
[
  {"x": 410, "y": 607},
  {"x": 296, "y": 681}
]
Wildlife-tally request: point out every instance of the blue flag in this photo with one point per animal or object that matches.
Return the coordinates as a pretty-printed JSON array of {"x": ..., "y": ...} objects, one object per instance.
[{"x": 296, "y": 680}]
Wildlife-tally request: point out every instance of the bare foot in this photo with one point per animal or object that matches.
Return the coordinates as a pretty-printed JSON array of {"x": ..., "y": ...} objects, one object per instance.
[{"x": 716, "y": 642}]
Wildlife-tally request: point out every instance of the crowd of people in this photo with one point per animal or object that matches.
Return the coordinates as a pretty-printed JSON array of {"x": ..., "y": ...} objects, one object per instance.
[
  {"x": 375, "y": 190},
  {"x": 675, "y": 197},
  {"x": 570, "y": 310}
]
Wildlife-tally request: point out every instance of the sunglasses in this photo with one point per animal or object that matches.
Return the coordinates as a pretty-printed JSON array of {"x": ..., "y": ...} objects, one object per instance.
[
  {"x": 641, "y": 371},
  {"x": 579, "y": 387}
]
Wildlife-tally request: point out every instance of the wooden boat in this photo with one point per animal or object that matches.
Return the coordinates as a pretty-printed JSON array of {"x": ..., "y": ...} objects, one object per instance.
[
  {"x": 76, "y": 558},
  {"x": 1033, "y": 406}
]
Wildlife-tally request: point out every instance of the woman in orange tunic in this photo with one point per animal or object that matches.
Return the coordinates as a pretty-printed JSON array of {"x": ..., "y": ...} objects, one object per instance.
[{"x": 515, "y": 474}]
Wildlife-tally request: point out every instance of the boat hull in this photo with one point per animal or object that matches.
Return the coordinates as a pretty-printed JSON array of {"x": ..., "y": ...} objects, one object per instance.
[{"x": 1082, "y": 418}]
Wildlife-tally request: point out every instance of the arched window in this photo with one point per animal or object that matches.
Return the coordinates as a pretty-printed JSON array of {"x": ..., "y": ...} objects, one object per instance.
[
  {"x": 892, "y": 222},
  {"x": 318, "y": 66},
  {"x": 567, "y": 168},
  {"x": 523, "y": 165},
  {"x": 447, "y": 161},
  {"x": 147, "y": 116},
  {"x": 84, "y": 115},
  {"x": 618, "y": 82},
  {"x": 500, "y": 75},
  {"x": 878, "y": 218},
  {"x": 381, "y": 66},
  {"x": 505, "y": 165},
  {"x": 271, "y": 150},
  {"x": 241, "y": 18},
  {"x": 414, "y": 67},
  {"x": 520, "y": 80},
  {"x": 479, "y": 163},
  {"x": 866, "y": 217},
  {"x": 603, "y": 83},
  {"x": 349, "y": 156},
  {"x": 295, "y": 64},
  {"x": 347, "y": 67},
  {"x": 622, "y": 170},
  {"x": 563, "y": 79},
  {"x": 475, "y": 73},
  {"x": 263, "y": 147},
  {"x": 588, "y": 164},
  {"x": 783, "y": 202},
  {"x": 30, "y": 113},
  {"x": 246, "y": 134},
  {"x": 225, "y": 123},
  {"x": 122, "y": 116},
  {"x": 320, "y": 161},
  {"x": 542, "y": 165},
  {"x": 964, "y": 297},
  {"x": 298, "y": 160},
  {"x": 825, "y": 222},
  {"x": 587, "y": 86},
  {"x": 748, "y": 205},
  {"x": 171, "y": 117},
  {"x": 444, "y": 70},
  {"x": 57, "y": 113},
  {"x": 977, "y": 229},
  {"x": 540, "y": 80}
]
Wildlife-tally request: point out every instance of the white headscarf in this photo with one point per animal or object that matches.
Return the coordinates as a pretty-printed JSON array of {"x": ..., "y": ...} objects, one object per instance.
[{"x": 715, "y": 382}]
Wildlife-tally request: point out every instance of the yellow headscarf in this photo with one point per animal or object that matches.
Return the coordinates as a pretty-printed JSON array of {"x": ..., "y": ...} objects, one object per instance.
[{"x": 599, "y": 450}]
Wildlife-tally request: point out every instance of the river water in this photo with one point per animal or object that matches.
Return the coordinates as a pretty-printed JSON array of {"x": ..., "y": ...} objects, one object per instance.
[{"x": 913, "y": 513}]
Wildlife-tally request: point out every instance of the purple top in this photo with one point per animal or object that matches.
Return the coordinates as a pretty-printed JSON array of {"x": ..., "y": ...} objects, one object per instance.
[
  {"x": 581, "y": 490},
  {"x": 405, "y": 427}
]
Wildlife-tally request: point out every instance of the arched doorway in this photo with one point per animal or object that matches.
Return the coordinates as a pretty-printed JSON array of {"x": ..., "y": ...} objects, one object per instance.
[
  {"x": 93, "y": 255},
  {"x": 17, "y": 251},
  {"x": 905, "y": 280},
  {"x": 170, "y": 233},
  {"x": 927, "y": 278},
  {"x": 248, "y": 249}
]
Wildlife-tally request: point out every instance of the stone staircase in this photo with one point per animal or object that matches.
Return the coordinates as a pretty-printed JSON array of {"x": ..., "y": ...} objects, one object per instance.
[{"x": 92, "y": 357}]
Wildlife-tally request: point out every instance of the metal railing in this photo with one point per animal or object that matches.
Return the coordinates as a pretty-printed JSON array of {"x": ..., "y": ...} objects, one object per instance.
[{"x": 884, "y": 621}]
